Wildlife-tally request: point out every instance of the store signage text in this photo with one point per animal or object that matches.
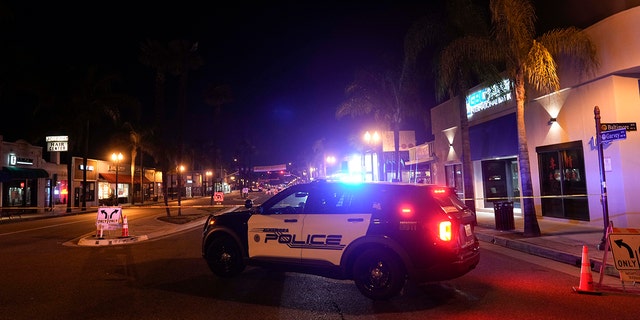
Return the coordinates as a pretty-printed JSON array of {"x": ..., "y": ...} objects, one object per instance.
[
  {"x": 611, "y": 135},
  {"x": 488, "y": 97},
  {"x": 629, "y": 126},
  {"x": 57, "y": 143},
  {"x": 13, "y": 160}
]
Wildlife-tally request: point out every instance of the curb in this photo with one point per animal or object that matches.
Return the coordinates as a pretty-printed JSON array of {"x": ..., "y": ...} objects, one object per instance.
[
  {"x": 540, "y": 251},
  {"x": 88, "y": 241}
]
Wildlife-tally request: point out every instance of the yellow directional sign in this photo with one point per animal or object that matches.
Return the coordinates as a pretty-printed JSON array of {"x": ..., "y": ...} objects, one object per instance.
[{"x": 625, "y": 248}]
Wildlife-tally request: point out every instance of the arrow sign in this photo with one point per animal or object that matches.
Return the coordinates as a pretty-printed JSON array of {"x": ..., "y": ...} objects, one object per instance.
[
  {"x": 624, "y": 248},
  {"x": 611, "y": 135},
  {"x": 621, "y": 244}
]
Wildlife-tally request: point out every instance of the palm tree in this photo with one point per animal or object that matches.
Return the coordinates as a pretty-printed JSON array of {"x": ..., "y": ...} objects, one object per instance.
[
  {"x": 155, "y": 55},
  {"x": 216, "y": 96},
  {"x": 178, "y": 57},
  {"x": 139, "y": 139},
  {"x": 527, "y": 60},
  {"x": 184, "y": 58},
  {"x": 91, "y": 100},
  {"x": 435, "y": 31},
  {"x": 384, "y": 95}
]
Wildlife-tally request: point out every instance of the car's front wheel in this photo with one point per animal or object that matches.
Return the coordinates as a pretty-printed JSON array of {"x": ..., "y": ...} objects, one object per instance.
[
  {"x": 378, "y": 274},
  {"x": 224, "y": 257}
]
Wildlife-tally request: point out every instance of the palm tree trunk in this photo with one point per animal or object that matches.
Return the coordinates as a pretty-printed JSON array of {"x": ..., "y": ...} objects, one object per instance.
[
  {"x": 467, "y": 168},
  {"x": 531, "y": 227},
  {"x": 84, "y": 167},
  {"x": 132, "y": 171},
  {"x": 165, "y": 191},
  {"x": 141, "y": 179},
  {"x": 396, "y": 142}
]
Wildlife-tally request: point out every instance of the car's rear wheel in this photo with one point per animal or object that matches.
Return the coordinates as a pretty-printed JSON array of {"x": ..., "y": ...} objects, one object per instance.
[
  {"x": 224, "y": 257},
  {"x": 378, "y": 274}
]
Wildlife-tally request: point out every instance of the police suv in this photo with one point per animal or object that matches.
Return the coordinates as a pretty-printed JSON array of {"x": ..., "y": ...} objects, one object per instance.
[{"x": 376, "y": 234}]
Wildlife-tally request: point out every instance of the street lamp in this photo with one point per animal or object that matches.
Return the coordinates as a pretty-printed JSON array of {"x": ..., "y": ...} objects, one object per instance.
[
  {"x": 180, "y": 169},
  {"x": 209, "y": 175},
  {"x": 329, "y": 160},
  {"x": 117, "y": 158},
  {"x": 372, "y": 139}
]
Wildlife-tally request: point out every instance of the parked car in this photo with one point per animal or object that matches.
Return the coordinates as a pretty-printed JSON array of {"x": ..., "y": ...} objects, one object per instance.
[{"x": 377, "y": 234}]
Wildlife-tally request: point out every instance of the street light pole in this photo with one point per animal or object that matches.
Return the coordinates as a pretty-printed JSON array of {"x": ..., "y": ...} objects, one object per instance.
[
  {"x": 209, "y": 174},
  {"x": 117, "y": 158},
  {"x": 180, "y": 170},
  {"x": 372, "y": 140}
]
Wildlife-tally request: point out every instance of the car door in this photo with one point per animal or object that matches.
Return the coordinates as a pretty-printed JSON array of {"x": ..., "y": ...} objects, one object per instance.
[
  {"x": 275, "y": 232},
  {"x": 334, "y": 217}
]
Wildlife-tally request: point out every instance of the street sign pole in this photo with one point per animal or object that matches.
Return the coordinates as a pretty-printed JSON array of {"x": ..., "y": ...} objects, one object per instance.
[{"x": 603, "y": 180}]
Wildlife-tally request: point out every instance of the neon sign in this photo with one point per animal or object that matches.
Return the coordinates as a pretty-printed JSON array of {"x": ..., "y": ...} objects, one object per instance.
[{"x": 488, "y": 97}]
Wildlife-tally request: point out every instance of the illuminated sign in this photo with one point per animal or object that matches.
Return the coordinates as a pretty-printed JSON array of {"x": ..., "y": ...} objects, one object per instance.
[
  {"x": 57, "y": 138},
  {"x": 629, "y": 126},
  {"x": 617, "y": 134},
  {"x": 13, "y": 160},
  {"x": 57, "y": 143},
  {"x": 488, "y": 97},
  {"x": 89, "y": 167}
]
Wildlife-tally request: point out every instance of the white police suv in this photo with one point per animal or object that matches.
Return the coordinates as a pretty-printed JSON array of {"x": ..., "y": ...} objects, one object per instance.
[{"x": 377, "y": 234}]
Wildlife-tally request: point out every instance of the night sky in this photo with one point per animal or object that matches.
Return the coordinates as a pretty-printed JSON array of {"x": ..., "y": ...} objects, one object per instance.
[{"x": 287, "y": 63}]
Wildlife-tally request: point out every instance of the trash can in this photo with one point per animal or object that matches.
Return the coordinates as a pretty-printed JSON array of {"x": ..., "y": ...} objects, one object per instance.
[{"x": 504, "y": 215}]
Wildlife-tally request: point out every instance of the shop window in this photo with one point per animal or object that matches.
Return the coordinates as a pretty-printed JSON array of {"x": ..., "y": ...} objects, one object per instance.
[
  {"x": 454, "y": 178},
  {"x": 563, "y": 184},
  {"x": 90, "y": 191}
]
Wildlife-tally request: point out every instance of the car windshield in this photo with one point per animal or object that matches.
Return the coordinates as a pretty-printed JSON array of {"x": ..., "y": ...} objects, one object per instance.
[{"x": 293, "y": 203}]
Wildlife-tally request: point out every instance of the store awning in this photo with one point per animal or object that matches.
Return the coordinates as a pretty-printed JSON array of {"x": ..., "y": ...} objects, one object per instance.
[
  {"x": 17, "y": 173},
  {"x": 123, "y": 178}
]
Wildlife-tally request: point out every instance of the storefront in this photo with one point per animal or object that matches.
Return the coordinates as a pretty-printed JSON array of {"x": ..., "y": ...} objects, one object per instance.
[
  {"x": 564, "y": 157},
  {"x": 419, "y": 163},
  {"x": 21, "y": 177}
]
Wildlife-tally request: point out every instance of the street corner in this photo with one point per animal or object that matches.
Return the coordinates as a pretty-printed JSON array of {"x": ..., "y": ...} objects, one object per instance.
[{"x": 93, "y": 241}]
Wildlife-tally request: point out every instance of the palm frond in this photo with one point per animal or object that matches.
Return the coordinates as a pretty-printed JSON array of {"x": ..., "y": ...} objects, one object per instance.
[
  {"x": 572, "y": 43},
  {"x": 513, "y": 26},
  {"x": 540, "y": 69}
]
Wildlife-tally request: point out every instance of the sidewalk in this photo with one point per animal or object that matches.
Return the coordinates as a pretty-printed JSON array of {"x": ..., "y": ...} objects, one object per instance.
[{"x": 560, "y": 241}]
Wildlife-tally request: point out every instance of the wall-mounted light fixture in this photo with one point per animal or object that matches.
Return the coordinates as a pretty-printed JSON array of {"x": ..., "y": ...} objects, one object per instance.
[{"x": 551, "y": 121}]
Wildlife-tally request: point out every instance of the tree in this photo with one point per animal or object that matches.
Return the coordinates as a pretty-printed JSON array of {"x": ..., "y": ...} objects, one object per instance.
[
  {"x": 435, "y": 31},
  {"x": 138, "y": 140},
  {"x": 216, "y": 96},
  {"x": 91, "y": 100},
  {"x": 178, "y": 57},
  {"x": 184, "y": 58},
  {"x": 155, "y": 55},
  {"x": 527, "y": 60},
  {"x": 382, "y": 93}
]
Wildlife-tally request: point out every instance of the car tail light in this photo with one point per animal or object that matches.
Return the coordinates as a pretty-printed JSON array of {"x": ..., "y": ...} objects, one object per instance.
[
  {"x": 440, "y": 191},
  {"x": 445, "y": 232},
  {"x": 406, "y": 212}
]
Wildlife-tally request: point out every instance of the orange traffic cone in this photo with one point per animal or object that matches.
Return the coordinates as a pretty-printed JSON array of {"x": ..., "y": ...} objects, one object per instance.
[
  {"x": 125, "y": 227},
  {"x": 586, "y": 280},
  {"x": 100, "y": 231}
]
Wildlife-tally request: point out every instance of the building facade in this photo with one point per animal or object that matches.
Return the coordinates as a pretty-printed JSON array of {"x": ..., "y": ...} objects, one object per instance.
[
  {"x": 24, "y": 183},
  {"x": 565, "y": 158},
  {"x": 28, "y": 183}
]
